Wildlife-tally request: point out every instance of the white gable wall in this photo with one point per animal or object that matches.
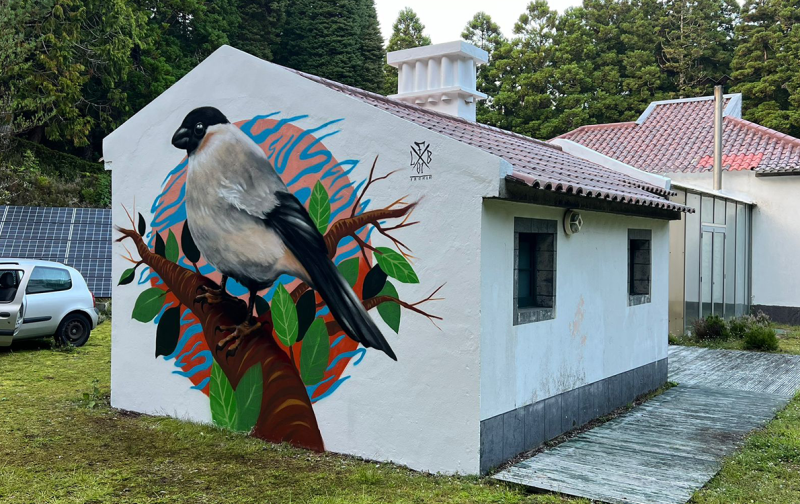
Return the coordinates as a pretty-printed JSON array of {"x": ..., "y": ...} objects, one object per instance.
[{"x": 422, "y": 411}]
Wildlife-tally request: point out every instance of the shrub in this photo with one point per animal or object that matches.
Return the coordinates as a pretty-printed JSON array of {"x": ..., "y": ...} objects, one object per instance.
[
  {"x": 713, "y": 327},
  {"x": 760, "y": 337},
  {"x": 739, "y": 326}
]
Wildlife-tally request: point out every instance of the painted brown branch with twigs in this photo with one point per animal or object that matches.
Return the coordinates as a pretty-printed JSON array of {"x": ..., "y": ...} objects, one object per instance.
[{"x": 286, "y": 412}]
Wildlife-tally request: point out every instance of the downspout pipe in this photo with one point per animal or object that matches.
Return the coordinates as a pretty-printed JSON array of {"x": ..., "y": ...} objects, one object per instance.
[{"x": 718, "y": 106}]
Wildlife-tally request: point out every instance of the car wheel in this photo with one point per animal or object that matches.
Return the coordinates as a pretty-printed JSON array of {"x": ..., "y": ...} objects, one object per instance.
[{"x": 73, "y": 330}]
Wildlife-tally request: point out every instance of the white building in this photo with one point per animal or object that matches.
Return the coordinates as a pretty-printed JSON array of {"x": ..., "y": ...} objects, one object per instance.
[
  {"x": 739, "y": 246},
  {"x": 528, "y": 297}
]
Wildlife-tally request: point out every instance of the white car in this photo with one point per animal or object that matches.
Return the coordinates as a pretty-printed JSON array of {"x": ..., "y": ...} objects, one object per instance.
[{"x": 42, "y": 298}]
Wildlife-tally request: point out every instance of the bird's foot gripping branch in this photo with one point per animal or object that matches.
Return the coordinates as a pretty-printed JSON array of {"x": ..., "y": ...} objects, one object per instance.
[{"x": 265, "y": 370}]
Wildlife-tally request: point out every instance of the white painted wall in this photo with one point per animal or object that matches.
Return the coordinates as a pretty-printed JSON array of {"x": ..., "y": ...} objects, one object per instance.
[
  {"x": 422, "y": 411},
  {"x": 776, "y": 230},
  {"x": 594, "y": 335}
]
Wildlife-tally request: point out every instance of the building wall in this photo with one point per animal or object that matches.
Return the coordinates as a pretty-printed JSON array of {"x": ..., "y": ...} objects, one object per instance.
[
  {"x": 774, "y": 239},
  {"x": 594, "y": 336},
  {"x": 677, "y": 269},
  {"x": 421, "y": 411}
]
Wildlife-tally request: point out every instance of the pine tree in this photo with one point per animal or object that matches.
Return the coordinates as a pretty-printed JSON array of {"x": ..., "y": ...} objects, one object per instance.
[
  {"x": 260, "y": 28},
  {"x": 321, "y": 38},
  {"x": 69, "y": 86},
  {"x": 765, "y": 65},
  {"x": 336, "y": 39},
  {"x": 697, "y": 43},
  {"x": 523, "y": 67},
  {"x": 482, "y": 32},
  {"x": 407, "y": 32},
  {"x": 372, "y": 52}
]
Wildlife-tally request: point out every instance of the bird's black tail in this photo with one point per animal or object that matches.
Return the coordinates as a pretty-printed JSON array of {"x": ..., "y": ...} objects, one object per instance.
[{"x": 345, "y": 306}]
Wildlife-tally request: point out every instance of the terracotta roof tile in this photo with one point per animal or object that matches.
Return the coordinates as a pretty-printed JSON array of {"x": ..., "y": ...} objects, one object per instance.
[
  {"x": 678, "y": 136},
  {"x": 535, "y": 163}
]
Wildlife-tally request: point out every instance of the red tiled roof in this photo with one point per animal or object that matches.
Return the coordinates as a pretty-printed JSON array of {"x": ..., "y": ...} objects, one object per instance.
[
  {"x": 535, "y": 163},
  {"x": 678, "y": 136}
]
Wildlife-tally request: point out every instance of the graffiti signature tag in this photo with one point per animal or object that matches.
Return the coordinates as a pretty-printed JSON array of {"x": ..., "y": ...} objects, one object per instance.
[{"x": 421, "y": 156}]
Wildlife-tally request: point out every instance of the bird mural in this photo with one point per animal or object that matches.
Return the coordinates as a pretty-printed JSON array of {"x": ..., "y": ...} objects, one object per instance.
[
  {"x": 251, "y": 228},
  {"x": 232, "y": 209}
]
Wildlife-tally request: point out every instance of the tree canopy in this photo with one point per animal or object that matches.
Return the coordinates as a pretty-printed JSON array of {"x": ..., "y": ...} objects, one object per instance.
[
  {"x": 73, "y": 70},
  {"x": 407, "y": 32}
]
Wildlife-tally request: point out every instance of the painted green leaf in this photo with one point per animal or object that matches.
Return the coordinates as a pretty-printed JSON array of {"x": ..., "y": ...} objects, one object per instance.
[
  {"x": 172, "y": 250},
  {"x": 248, "y": 398},
  {"x": 127, "y": 276},
  {"x": 390, "y": 312},
  {"x": 306, "y": 311},
  {"x": 373, "y": 282},
  {"x": 222, "y": 399},
  {"x": 315, "y": 353},
  {"x": 188, "y": 246},
  {"x": 148, "y": 304},
  {"x": 319, "y": 207},
  {"x": 142, "y": 227},
  {"x": 160, "y": 248},
  {"x": 395, "y": 265},
  {"x": 284, "y": 316},
  {"x": 349, "y": 270},
  {"x": 168, "y": 331}
]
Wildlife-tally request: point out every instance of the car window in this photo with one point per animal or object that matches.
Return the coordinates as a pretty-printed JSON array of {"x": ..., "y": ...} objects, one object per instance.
[
  {"x": 44, "y": 279},
  {"x": 9, "y": 283}
]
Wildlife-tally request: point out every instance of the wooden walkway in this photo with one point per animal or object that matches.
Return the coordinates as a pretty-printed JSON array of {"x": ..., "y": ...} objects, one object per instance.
[{"x": 666, "y": 449}]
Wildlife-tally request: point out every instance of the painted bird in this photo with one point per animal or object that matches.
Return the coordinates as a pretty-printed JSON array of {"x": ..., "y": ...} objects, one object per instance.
[{"x": 251, "y": 228}]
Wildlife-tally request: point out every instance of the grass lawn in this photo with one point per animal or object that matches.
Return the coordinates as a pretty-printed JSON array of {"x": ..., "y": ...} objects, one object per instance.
[{"x": 61, "y": 442}]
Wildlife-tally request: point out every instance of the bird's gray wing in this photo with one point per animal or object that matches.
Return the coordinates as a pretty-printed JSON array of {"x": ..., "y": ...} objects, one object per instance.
[{"x": 291, "y": 222}]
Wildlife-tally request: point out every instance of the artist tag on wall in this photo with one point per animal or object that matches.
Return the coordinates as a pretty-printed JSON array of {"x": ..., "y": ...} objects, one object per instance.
[{"x": 421, "y": 157}]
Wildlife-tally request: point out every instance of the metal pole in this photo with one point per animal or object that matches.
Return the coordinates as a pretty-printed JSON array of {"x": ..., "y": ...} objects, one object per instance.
[{"x": 718, "y": 138}]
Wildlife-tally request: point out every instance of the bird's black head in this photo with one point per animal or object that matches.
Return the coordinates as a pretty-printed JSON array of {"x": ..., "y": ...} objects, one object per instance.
[{"x": 194, "y": 126}]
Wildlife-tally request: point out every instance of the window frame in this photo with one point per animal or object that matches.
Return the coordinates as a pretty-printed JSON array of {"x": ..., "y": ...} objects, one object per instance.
[
  {"x": 529, "y": 314},
  {"x": 639, "y": 235},
  {"x": 20, "y": 276},
  {"x": 54, "y": 268}
]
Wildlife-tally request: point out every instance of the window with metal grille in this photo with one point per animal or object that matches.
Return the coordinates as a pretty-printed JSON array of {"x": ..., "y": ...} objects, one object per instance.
[
  {"x": 639, "y": 265},
  {"x": 534, "y": 270}
]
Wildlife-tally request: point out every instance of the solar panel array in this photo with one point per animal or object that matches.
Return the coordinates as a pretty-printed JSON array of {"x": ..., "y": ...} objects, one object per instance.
[{"x": 77, "y": 237}]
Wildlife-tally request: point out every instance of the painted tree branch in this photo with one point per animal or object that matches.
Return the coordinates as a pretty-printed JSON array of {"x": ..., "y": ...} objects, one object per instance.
[{"x": 286, "y": 413}]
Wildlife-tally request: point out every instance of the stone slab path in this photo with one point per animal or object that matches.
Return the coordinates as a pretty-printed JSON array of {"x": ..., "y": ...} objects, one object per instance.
[{"x": 664, "y": 450}]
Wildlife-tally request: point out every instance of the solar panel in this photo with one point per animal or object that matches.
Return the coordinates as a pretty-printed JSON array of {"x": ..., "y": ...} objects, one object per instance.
[{"x": 77, "y": 237}]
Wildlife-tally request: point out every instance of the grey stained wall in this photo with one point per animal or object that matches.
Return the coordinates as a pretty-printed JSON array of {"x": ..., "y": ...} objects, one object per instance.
[{"x": 507, "y": 435}]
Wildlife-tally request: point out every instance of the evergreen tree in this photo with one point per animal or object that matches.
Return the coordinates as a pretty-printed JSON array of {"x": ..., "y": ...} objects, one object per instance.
[
  {"x": 372, "y": 52},
  {"x": 523, "y": 69},
  {"x": 68, "y": 87},
  {"x": 335, "y": 39},
  {"x": 260, "y": 27},
  {"x": 697, "y": 43},
  {"x": 407, "y": 32},
  {"x": 765, "y": 65},
  {"x": 482, "y": 32}
]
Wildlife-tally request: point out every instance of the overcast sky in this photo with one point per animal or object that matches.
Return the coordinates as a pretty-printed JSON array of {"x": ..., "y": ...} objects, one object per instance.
[{"x": 444, "y": 19}]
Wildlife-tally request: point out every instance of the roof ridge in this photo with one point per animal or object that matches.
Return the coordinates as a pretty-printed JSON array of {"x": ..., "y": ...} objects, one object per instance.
[
  {"x": 422, "y": 109},
  {"x": 777, "y": 135},
  {"x": 592, "y": 127},
  {"x": 602, "y": 181}
]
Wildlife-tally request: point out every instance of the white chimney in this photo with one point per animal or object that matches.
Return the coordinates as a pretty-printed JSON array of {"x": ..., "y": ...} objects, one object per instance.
[{"x": 440, "y": 77}]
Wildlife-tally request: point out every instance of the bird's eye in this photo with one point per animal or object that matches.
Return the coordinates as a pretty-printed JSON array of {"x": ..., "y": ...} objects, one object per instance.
[{"x": 199, "y": 128}]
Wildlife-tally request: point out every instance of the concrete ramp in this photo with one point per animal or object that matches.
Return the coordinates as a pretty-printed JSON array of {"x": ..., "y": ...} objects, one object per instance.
[{"x": 666, "y": 449}]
